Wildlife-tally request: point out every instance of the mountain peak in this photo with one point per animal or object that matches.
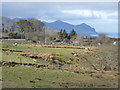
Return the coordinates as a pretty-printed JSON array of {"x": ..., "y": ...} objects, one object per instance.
[
  {"x": 83, "y": 24},
  {"x": 58, "y": 21}
]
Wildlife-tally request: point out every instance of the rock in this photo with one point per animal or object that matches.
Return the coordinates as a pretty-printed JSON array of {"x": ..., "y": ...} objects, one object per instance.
[{"x": 107, "y": 68}]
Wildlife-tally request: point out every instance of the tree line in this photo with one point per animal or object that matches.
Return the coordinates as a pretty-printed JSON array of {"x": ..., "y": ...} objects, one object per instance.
[
  {"x": 64, "y": 36},
  {"x": 34, "y": 30}
]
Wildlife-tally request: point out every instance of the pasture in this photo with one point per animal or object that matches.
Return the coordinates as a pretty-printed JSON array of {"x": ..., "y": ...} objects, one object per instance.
[{"x": 94, "y": 68}]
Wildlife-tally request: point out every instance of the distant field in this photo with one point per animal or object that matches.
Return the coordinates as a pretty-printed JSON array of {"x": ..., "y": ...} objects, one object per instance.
[{"x": 82, "y": 71}]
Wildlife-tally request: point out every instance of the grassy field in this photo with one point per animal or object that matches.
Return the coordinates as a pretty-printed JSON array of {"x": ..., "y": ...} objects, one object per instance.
[
  {"x": 26, "y": 77},
  {"x": 30, "y": 77}
]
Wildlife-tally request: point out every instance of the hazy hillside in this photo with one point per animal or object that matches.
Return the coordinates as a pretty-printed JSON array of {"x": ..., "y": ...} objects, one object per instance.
[
  {"x": 9, "y": 22},
  {"x": 18, "y": 24}
]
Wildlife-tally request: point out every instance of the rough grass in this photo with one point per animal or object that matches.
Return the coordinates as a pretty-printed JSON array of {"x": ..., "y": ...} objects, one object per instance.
[
  {"x": 28, "y": 77},
  {"x": 66, "y": 52},
  {"x": 13, "y": 56}
]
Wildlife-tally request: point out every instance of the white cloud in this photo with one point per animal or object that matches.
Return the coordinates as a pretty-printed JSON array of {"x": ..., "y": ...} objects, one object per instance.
[
  {"x": 104, "y": 15},
  {"x": 100, "y": 15},
  {"x": 91, "y": 13},
  {"x": 86, "y": 13}
]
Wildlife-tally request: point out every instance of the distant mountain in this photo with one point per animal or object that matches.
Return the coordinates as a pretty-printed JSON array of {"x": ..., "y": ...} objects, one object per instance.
[
  {"x": 82, "y": 29},
  {"x": 8, "y": 23}
]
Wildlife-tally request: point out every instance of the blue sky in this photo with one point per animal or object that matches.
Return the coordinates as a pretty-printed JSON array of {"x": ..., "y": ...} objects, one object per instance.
[{"x": 103, "y": 16}]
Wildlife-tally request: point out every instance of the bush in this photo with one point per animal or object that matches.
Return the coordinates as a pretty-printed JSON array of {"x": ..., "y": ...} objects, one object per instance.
[
  {"x": 35, "y": 39},
  {"x": 16, "y": 36}
]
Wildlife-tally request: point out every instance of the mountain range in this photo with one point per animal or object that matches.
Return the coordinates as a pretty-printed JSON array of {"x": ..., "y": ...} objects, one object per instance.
[{"x": 81, "y": 29}]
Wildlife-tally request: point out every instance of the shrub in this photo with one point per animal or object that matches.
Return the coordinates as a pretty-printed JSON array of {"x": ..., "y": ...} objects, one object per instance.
[
  {"x": 16, "y": 36},
  {"x": 34, "y": 39}
]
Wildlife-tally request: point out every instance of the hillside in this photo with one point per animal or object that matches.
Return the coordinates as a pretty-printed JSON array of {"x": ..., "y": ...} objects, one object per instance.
[{"x": 58, "y": 67}]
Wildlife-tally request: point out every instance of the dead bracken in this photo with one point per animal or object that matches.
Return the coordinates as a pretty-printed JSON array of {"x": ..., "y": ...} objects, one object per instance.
[{"x": 45, "y": 56}]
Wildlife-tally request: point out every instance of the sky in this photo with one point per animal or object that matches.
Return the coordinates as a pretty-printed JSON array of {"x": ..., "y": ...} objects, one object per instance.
[{"x": 103, "y": 16}]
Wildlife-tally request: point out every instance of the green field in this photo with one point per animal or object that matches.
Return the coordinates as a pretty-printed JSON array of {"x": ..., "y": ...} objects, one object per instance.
[
  {"x": 26, "y": 77},
  {"x": 31, "y": 77}
]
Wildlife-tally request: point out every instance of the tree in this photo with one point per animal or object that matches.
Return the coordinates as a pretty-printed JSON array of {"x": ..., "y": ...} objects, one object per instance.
[
  {"x": 35, "y": 39},
  {"x": 77, "y": 38},
  {"x": 3, "y": 28},
  {"x": 6, "y": 31},
  {"x": 12, "y": 28},
  {"x": 16, "y": 35},
  {"x": 31, "y": 28},
  {"x": 72, "y": 33},
  {"x": 65, "y": 35},
  {"x": 60, "y": 35},
  {"x": 24, "y": 25}
]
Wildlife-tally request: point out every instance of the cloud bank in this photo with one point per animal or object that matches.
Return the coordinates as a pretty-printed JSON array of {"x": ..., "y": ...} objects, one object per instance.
[{"x": 102, "y": 16}]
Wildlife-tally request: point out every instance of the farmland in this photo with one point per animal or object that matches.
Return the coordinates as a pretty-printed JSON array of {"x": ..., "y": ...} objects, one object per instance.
[{"x": 95, "y": 67}]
